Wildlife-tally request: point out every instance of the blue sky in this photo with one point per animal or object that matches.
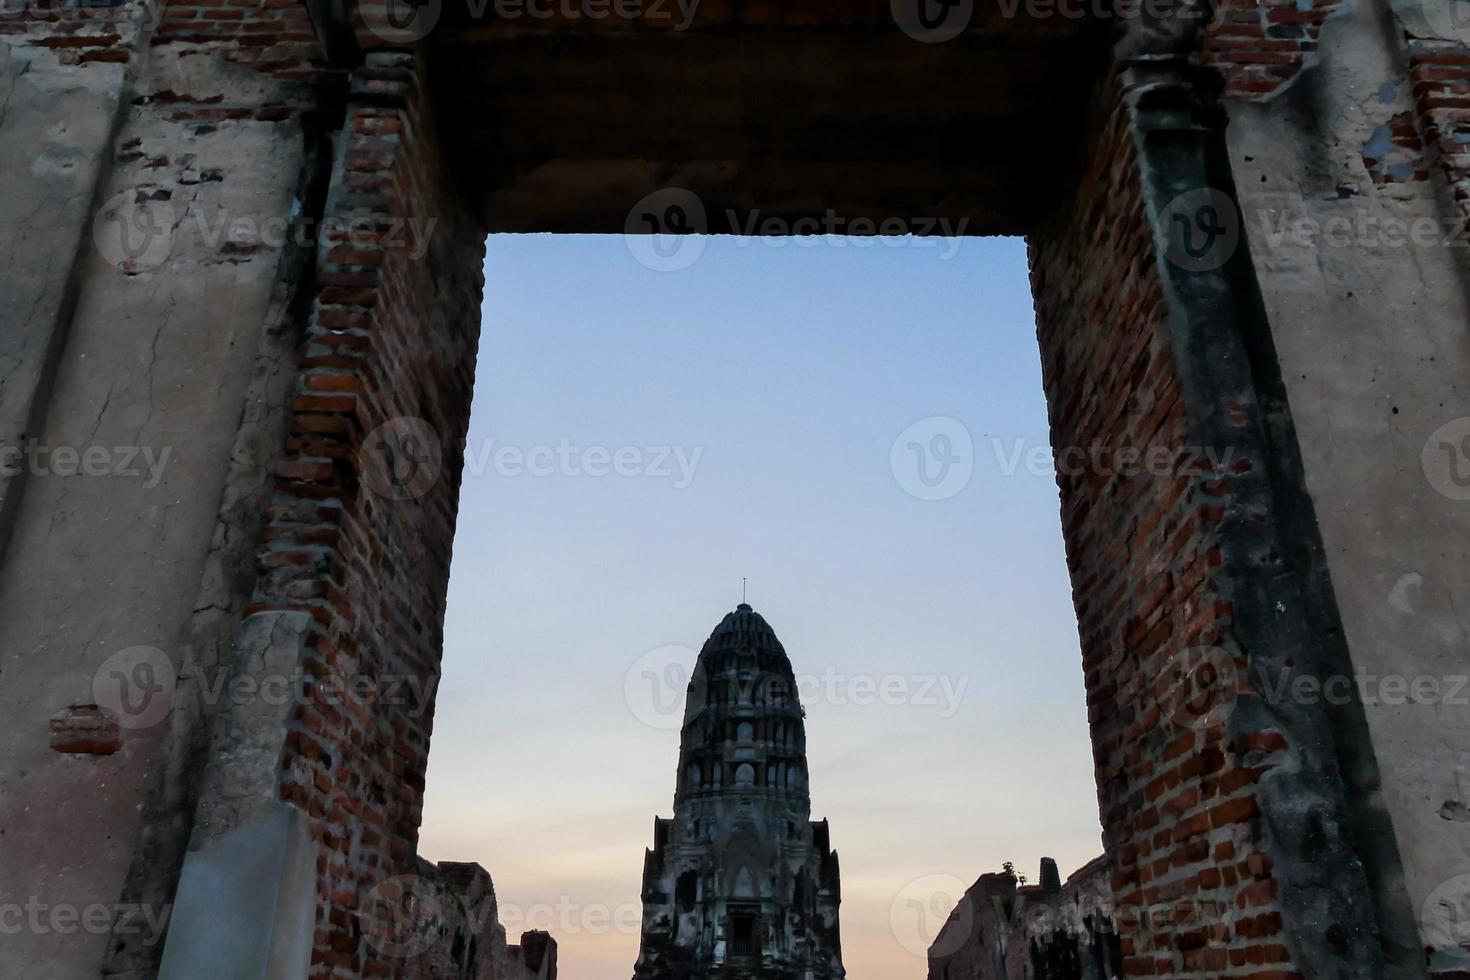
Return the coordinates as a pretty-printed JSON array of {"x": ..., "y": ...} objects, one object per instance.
[{"x": 752, "y": 402}]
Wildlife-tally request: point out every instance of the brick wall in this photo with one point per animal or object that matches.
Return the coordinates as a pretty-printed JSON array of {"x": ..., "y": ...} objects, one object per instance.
[
  {"x": 1070, "y": 929},
  {"x": 361, "y": 522},
  {"x": 1177, "y": 786},
  {"x": 1440, "y": 72},
  {"x": 80, "y": 33},
  {"x": 271, "y": 36},
  {"x": 391, "y": 335},
  {"x": 1260, "y": 45},
  {"x": 1002, "y": 930},
  {"x": 458, "y": 920},
  {"x": 974, "y": 941}
]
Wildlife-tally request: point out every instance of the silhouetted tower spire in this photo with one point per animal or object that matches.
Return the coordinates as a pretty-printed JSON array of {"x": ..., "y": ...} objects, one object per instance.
[
  {"x": 743, "y": 727},
  {"x": 741, "y": 883}
]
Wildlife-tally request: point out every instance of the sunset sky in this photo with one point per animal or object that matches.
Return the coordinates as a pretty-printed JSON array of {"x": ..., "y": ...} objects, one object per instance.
[{"x": 643, "y": 439}]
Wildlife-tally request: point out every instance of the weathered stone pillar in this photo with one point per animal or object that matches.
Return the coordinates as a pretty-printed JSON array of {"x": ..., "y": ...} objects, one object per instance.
[
  {"x": 140, "y": 408},
  {"x": 246, "y": 901},
  {"x": 1352, "y": 185},
  {"x": 242, "y": 307},
  {"x": 1241, "y": 824},
  {"x": 349, "y": 603}
]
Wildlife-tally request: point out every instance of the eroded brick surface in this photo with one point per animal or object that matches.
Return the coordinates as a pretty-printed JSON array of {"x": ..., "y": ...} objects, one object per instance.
[
  {"x": 85, "y": 729},
  {"x": 1440, "y": 71},
  {"x": 1003, "y": 928},
  {"x": 1261, "y": 45},
  {"x": 392, "y": 336},
  {"x": 1176, "y": 794}
]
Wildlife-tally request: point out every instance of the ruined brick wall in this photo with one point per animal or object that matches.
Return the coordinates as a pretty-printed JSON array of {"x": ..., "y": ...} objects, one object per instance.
[
  {"x": 1165, "y": 565},
  {"x": 1439, "y": 69},
  {"x": 455, "y": 922},
  {"x": 1000, "y": 930},
  {"x": 177, "y": 343},
  {"x": 1173, "y": 797},
  {"x": 1069, "y": 932},
  {"x": 452, "y": 929},
  {"x": 362, "y": 519},
  {"x": 1260, "y": 45},
  {"x": 274, "y": 37},
  {"x": 78, "y": 34},
  {"x": 534, "y": 957},
  {"x": 973, "y": 942},
  {"x": 374, "y": 311},
  {"x": 359, "y": 523}
]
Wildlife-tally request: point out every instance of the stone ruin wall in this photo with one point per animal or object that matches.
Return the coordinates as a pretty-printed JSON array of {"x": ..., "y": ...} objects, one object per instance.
[
  {"x": 1004, "y": 930},
  {"x": 277, "y": 548},
  {"x": 463, "y": 938}
]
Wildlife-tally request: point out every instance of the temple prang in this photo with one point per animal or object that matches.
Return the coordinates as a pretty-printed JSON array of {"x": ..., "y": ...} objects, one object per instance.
[{"x": 741, "y": 882}]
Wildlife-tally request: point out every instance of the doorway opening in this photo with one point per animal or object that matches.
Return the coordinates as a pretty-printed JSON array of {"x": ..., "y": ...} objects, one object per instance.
[{"x": 857, "y": 429}]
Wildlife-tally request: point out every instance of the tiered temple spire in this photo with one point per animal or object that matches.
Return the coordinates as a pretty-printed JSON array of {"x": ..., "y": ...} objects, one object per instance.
[{"x": 740, "y": 882}]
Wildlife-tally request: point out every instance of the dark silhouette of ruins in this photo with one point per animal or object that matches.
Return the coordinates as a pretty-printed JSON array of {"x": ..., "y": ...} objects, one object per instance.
[{"x": 741, "y": 882}]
